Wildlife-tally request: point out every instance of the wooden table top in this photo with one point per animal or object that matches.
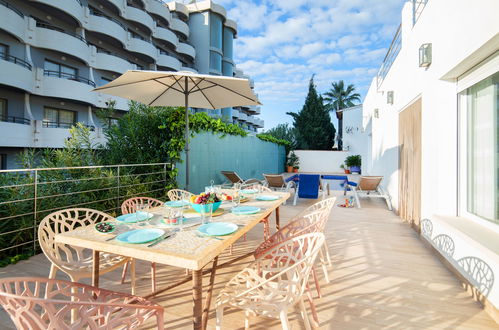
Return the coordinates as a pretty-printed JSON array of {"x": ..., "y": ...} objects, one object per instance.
[{"x": 185, "y": 249}]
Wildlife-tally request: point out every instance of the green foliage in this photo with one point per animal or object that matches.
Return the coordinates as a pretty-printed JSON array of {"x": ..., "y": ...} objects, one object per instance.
[
  {"x": 353, "y": 160},
  {"x": 284, "y": 132},
  {"x": 293, "y": 160},
  {"x": 313, "y": 126},
  {"x": 270, "y": 138}
]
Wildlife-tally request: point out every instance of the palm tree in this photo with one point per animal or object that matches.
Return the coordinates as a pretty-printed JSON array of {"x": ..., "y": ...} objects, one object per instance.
[{"x": 339, "y": 98}]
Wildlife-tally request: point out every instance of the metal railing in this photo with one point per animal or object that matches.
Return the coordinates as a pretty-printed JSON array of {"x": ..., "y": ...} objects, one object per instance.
[
  {"x": 58, "y": 124},
  {"x": 15, "y": 60},
  {"x": 99, "y": 14},
  {"x": 390, "y": 57},
  {"x": 14, "y": 9},
  {"x": 58, "y": 29},
  {"x": 417, "y": 9},
  {"x": 68, "y": 76},
  {"x": 28, "y": 195},
  {"x": 15, "y": 120}
]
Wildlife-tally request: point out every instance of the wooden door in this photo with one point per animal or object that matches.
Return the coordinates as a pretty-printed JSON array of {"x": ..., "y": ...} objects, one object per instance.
[{"x": 410, "y": 164}]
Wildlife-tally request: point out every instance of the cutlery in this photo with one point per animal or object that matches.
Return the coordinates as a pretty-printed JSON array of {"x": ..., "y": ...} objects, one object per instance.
[
  {"x": 214, "y": 237},
  {"x": 161, "y": 239}
]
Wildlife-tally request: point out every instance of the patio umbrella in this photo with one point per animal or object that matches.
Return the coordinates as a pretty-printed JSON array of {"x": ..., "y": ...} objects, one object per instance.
[{"x": 186, "y": 89}]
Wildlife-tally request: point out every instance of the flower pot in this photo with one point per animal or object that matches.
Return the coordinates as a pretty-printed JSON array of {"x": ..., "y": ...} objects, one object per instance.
[
  {"x": 347, "y": 171},
  {"x": 290, "y": 169},
  {"x": 295, "y": 170},
  {"x": 355, "y": 169}
]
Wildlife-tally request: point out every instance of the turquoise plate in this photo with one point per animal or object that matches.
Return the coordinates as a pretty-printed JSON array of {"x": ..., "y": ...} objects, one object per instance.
[
  {"x": 267, "y": 198},
  {"x": 177, "y": 203},
  {"x": 135, "y": 217},
  {"x": 242, "y": 210},
  {"x": 138, "y": 236},
  {"x": 217, "y": 229},
  {"x": 249, "y": 191}
]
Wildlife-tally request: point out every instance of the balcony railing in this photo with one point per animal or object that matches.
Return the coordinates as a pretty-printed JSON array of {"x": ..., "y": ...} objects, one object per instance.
[
  {"x": 105, "y": 51},
  {"x": 97, "y": 13},
  {"x": 417, "y": 9},
  {"x": 58, "y": 29},
  {"x": 14, "y": 9},
  {"x": 15, "y": 120},
  {"x": 28, "y": 195},
  {"x": 68, "y": 76},
  {"x": 15, "y": 60},
  {"x": 58, "y": 124},
  {"x": 390, "y": 57}
]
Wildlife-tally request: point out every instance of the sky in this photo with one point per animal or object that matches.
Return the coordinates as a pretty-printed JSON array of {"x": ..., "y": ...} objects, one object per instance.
[{"x": 282, "y": 43}]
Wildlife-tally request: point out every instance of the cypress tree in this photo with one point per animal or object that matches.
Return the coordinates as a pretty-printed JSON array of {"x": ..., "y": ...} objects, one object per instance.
[{"x": 314, "y": 130}]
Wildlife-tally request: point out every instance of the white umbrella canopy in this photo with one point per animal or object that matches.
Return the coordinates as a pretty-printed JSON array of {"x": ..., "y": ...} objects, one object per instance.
[{"x": 181, "y": 89}]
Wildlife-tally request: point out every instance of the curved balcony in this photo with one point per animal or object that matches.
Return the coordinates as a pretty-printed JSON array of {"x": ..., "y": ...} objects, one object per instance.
[
  {"x": 111, "y": 62},
  {"x": 243, "y": 116},
  {"x": 140, "y": 17},
  {"x": 119, "y": 102},
  {"x": 50, "y": 37},
  {"x": 186, "y": 49},
  {"x": 166, "y": 35},
  {"x": 159, "y": 8},
  {"x": 169, "y": 62},
  {"x": 120, "y": 5},
  {"x": 12, "y": 20},
  {"x": 15, "y": 72},
  {"x": 105, "y": 25},
  {"x": 235, "y": 113},
  {"x": 179, "y": 8},
  {"x": 143, "y": 47},
  {"x": 67, "y": 86},
  {"x": 186, "y": 68},
  {"x": 179, "y": 26},
  {"x": 71, "y": 7}
]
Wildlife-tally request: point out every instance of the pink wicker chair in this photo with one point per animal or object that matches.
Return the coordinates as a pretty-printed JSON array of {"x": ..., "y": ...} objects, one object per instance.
[
  {"x": 39, "y": 304},
  {"x": 273, "y": 283},
  {"x": 130, "y": 206},
  {"x": 179, "y": 194}
]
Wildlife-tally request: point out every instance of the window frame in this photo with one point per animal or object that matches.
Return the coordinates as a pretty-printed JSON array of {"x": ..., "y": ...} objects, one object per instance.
[
  {"x": 60, "y": 65},
  {"x": 46, "y": 124},
  {"x": 4, "y": 117},
  {"x": 3, "y": 161},
  {"x": 482, "y": 71}
]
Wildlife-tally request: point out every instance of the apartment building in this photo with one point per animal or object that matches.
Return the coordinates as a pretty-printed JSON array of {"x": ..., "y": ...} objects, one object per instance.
[
  {"x": 54, "y": 52},
  {"x": 433, "y": 113}
]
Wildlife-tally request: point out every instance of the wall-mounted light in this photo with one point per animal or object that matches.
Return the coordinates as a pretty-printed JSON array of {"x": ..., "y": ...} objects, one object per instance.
[
  {"x": 389, "y": 97},
  {"x": 425, "y": 55},
  {"x": 376, "y": 113}
]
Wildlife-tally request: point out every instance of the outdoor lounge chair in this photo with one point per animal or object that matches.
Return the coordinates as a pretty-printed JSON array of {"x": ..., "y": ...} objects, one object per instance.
[
  {"x": 233, "y": 177},
  {"x": 276, "y": 182},
  {"x": 309, "y": 186},
  {"x": 369, "y": 186}
]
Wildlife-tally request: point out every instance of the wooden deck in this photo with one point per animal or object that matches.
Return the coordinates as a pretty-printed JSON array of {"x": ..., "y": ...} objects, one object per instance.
[{"x": 383, "y": 277}]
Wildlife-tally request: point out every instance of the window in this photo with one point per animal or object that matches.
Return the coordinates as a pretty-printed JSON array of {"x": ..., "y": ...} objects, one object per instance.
[
  {"x": 3, "y": 110},
  {"x": 54, "y": 118},
  {"x": 59, "y": 70},
  {"x": 480, "y": 112},
  {"x": 4, "y": 51},
  {"x": 105, "y": 80},
  {"x": 3, "y": 161}
]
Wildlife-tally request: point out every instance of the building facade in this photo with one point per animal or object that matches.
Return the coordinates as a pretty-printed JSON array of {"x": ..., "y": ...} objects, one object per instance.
[
  {"x": 54, "y": 52},
  {"x": 433, "y": 110}
]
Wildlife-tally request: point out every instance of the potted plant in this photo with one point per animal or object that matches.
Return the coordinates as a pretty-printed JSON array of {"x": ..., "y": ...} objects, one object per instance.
[
  {"x": 292, "y": 161},
  {"x": 353, "y": 162},
  {"x": 347, "y": 171},
  {"x": 296, "y": 168}
]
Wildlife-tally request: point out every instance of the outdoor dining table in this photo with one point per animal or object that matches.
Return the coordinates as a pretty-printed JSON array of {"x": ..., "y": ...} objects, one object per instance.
[{"x": 184, "y": 249}]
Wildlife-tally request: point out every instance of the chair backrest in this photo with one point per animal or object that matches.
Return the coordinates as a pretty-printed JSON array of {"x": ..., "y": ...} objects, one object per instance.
[
  {"x": 179, "y": 194},
  {"x": 131, "y": 204},
  {"x": 325, "y": 203},
  {"x": 39, "y": 303},
  {"x": 274, "y": 180},
  {"x": 289, "y": 264},
  {"x": 311, "y": 223},
  {"x": 232, "y": 176},
  {"x": 309, "y": 186},
  {"x": 369, "y": 183},
  {"x": 63, "y": 221}
]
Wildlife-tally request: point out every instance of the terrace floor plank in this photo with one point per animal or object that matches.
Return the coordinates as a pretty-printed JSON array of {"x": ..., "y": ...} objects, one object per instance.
[{"x": 383, "y": 277}]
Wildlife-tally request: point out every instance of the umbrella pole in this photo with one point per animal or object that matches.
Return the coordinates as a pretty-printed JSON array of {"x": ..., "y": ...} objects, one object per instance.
[{"x": 186, "y": 93}]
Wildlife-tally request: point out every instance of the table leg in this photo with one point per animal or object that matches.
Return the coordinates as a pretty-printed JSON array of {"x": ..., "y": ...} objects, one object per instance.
[
  {"x": 277, "y": 220},
  {"x": 207, "y": 302},
  {"x": 95, "y": 268},
  {"x": 197, "y": 299}
]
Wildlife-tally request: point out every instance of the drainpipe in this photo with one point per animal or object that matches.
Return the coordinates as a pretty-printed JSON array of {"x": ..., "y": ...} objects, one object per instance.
[{"x": 27, "y": 107}]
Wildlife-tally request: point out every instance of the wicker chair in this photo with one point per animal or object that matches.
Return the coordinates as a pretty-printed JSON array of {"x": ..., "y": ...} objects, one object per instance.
[
  {"x": 39, "y": 304},
  {"x": 130, "y": 206},
  {"x": 179, "y": 194},
  {"x": 273, "y": 283},
  {"x": 74, "y": 261}
]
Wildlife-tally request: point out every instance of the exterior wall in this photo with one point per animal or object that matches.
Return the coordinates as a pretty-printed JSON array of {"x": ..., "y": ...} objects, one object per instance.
[
  {"x": 209, "y": 154},
  {"x": 321, "y": 161},
  {"x": 461, "y": 38}
]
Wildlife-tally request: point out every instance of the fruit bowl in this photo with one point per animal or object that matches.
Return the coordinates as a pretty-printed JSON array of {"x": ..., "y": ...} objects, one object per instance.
[{"x": 205, "y": 207}]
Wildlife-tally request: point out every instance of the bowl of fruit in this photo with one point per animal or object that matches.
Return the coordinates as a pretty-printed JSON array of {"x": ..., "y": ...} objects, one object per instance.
[
  {"x": 105, "y": 227},
  {"x": 200, "y": 203}
]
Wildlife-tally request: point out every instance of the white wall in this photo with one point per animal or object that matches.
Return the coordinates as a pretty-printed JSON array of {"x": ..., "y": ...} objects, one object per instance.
[
  {"x": 321, "y": 161},
  {"x": 462, "y": 35}
]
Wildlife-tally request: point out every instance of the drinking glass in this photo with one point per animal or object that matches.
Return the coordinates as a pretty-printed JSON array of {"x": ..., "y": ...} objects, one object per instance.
[{"x": 142, "y": 209}]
